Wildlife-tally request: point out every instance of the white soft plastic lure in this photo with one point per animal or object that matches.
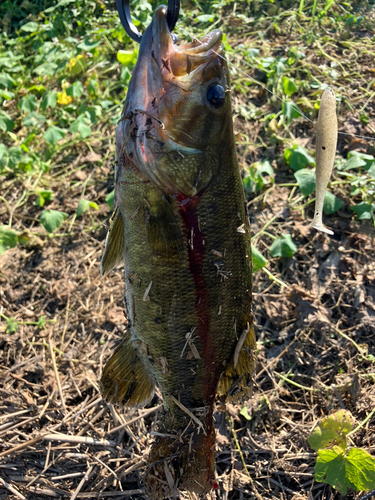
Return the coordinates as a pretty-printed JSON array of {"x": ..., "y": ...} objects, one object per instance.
[{"x": 326, "y": 141}]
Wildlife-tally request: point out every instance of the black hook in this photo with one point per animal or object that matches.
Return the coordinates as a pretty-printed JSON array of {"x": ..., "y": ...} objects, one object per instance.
[{"x": 123, "y": 8}]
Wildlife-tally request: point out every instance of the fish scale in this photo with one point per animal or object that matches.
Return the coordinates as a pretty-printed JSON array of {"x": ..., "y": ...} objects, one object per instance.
[{"x": 182, "y": 229}]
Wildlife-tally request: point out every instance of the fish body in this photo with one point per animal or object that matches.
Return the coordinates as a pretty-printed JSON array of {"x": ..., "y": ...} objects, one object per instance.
[
  {"x": 326, "y": 142},
  {"x": 182, "y": 229}
]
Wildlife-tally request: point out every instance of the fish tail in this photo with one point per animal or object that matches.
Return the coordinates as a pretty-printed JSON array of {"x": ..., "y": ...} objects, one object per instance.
[{"x": 183, "y": 463}]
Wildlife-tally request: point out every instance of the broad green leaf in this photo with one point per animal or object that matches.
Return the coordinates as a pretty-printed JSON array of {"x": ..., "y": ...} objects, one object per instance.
[
  {"x": 298, "y": 157},
  {"x": 84, "y": 206},
  {"x": 244, "y": 413},
  {"x": 6, "y": 123},
  {"x": 331, "y": 203},
  {"x": 75, "y": 90},
  {"x": 28, "y": 103},
  {"x": 33, "y": 119},
  {"x": 289, "y": 87},
  {"x": 306, "y": 181},
  {"x": 30, "y": 27},
  {"x": 93, "y": 86},
  {"x": 332, "y": 430},
  {"x": 49, "y": 100},
  {"x": 283, "y": 247},
  {"x": 62, "y": 3},
  {"x": 8, "y": 238},
  {"x": 45, "y": 195},
  {"x": 6, "y": 81},
  {"x": 52, "y": 219},
  {"x": 357, "y": 160},
  {"x": 258, "y": 260},
  {"x": 46, "y": 69},
  {"x": 77, "y": 65},
  {"x": 127, "y": 57},
  {"x": 290, "y": 110},
  {"x": 11, "y": 325},
  {"x": 110, "y": 199},
  {"x": 252, "y": 53},
  {"x": 363, "y": 210},
  {"x": 260, "y": 174},
  {"x": 354, "y": 469},
  {"x": 37, "y": 89},
  {"x": 54, "y": 134},
  {"x": 81, "y": 125}
]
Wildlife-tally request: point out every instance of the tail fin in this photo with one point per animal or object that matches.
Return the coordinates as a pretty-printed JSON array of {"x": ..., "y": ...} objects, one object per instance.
[{"x": 183, "y": 463}]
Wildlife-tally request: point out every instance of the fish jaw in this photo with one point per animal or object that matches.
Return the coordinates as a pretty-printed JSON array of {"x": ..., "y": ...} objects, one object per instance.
[{"x": 167, "y": 126}]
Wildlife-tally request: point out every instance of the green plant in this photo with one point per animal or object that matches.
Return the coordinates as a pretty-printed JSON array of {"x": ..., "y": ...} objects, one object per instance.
[{"x": 338, "y": 463}]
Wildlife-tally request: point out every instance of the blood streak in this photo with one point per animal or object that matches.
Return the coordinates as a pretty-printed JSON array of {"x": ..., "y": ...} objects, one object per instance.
[{"x": 196, "y": 251}]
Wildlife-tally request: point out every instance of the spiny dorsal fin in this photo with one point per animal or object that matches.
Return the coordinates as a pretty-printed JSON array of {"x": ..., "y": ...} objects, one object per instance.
[
  {"x": 114, "y": 245},
  {"x": 125, "y": 380},
  {"x": 237, "y": 375}
]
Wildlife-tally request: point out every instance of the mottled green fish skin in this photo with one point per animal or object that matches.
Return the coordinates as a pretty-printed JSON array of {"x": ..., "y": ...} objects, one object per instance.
[{"x": 186, "y": 248}]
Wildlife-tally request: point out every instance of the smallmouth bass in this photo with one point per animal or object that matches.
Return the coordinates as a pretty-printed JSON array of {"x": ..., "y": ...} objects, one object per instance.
[{"x": 182, "y": 229}]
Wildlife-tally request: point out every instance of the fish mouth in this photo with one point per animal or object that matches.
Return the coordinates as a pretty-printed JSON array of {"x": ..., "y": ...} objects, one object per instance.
[{"x": 164, "y": 74}]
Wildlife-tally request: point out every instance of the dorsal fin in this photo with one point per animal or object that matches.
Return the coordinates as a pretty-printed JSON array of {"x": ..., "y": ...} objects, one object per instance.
[
  {"x": 125, "y": 380},
  {"x": 114, "y": 245}
]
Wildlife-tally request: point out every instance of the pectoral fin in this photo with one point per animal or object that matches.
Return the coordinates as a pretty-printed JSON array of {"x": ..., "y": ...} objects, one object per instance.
[
  {"x": 164, "y": 235},
  {"x": 114, "y": 245},
  {"x": 125, "y": 380},
  {"x": 237, "y": 375}
]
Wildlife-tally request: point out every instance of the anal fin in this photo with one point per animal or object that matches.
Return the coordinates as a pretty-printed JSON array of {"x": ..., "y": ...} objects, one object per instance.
[
  {"x": 125, "y": 380},
  {"x": 236, "y": 377},
  {"x": 114, "y": 245}
]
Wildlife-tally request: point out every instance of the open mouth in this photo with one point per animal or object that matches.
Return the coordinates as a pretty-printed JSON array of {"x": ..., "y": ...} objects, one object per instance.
[{"x": 186, "y": 58}]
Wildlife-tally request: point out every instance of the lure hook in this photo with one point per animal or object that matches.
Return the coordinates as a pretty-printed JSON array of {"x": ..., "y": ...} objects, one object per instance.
[{"x": 123, "y": 8}]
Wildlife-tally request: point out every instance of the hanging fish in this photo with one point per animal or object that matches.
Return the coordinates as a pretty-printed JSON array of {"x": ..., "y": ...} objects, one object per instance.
[
  {"x": 326, "y": 141},
  {"x": 182, "y": 228}
]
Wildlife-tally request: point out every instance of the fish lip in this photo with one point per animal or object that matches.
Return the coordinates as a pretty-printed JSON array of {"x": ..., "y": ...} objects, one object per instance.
[{"x": 211, "y": 41}]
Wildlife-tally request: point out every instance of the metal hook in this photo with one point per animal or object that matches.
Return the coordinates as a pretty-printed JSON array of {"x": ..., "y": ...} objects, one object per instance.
[{"x": 123, "y": 8}]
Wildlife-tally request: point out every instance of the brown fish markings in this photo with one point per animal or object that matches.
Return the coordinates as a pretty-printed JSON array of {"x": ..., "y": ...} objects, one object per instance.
[{"x": 181, "y": 227}]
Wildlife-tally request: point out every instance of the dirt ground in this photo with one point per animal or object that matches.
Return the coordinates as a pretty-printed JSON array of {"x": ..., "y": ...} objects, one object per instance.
[{"x": 316, "y": 349}]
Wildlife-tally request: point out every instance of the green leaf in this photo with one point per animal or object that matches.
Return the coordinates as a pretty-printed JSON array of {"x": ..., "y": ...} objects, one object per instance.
[
  {"x": 290, "y": 110},
  {"x": 52, "y": 219},
  {"x": 84, "y": 206},
  {"x": 88, "y": 45},
  {"x": 306, "y": 181},
  {"x": 244, "y": 413},
  {"x": 110, "y": 199},
  {"x": 6, "y": 94},
  {"x": 30, "y": 27},
  {"x": 75, "y": 90},
  {"x": 289, "y": 87},
  {"x": 93, "y": 86},
  {"x": 28, "y": 103},
  {"x": 357, "y": 160},
  {"x": 8, "y": 238},
  {"x": 332, "y": 430},
  {"x": 6, "y": 81},
  {"x": 205, "y": 18},
  {"x": 127, "y": 57},
  {"x": 49, "y": 101},
  {"x": 46, "y": 69},
  {"x": 11, "y": 325},
  {"x": 54, "y": 134},
  {"x": 44, "y": 195},
  {"x": 81, "y": 125},
  {"x": 41, "y": 323},
  {"x": 62, "y": 3},
  {"x": 283, "y": 247},
  {"x": 33, "y": 119},
  {"x": 298, "y": 157},
  {"x": 252, "y": 53},
  {"x": 355, "y": 470},
  {"x": 363, "y": 210},
  {"x": 6, "y": 123},
  {"x": 258, "y": 260},
  {"x": 260, "y": 174},
  {"x": 331, "y": 203}
]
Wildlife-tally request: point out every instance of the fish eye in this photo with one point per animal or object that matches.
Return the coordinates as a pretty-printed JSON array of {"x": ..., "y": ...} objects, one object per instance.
[{"x": 216, "y": 96}]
